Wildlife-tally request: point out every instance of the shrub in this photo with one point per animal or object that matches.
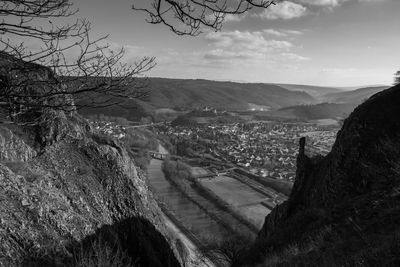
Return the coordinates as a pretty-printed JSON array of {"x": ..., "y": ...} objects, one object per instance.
[
  {"x": 230, "y": 251},
  {"x": 102, "y": 255}
]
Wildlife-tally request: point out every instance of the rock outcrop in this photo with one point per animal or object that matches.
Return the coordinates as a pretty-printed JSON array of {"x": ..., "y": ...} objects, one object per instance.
[
  {"x": 63, "y": 188},
  {"x": 13, "y": 148},
  {"x": 353, "y": 191}
]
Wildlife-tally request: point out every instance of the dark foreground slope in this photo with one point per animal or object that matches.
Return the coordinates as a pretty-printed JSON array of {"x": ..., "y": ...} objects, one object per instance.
[
  {"x": 70, "y": 197},
  {"x": 344, "y": 209}
]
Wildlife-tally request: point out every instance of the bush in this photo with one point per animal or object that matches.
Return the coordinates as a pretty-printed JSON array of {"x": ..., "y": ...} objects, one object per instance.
[
  {"x": 176, "y": 170},
  {"x": 128, "y": 243},
  {"x": 102, "y": 255},
  {"x": 230, "y": 251},
  {"x": 139, "y": 142}
]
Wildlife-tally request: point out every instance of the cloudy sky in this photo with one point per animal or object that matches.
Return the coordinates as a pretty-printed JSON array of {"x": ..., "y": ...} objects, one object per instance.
[{"x": 318, "y": 42}]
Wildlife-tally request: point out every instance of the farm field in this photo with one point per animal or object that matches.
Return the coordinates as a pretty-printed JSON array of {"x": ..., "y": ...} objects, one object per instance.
[{"x": 239, "y": 196}]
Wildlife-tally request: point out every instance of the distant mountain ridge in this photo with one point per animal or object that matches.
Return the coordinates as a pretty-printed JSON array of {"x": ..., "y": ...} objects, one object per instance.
[
  {"x": 319, "y": 111},
  {"x": 314, "y": 91},
  {"x": 287, "y": 100},
  {"x": 354, "y": 96},
  {"x": 178, "y": 93},
  {"x": 335, "y": 105}
]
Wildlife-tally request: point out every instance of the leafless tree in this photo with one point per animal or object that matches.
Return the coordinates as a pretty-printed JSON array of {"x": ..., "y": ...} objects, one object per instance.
[
  {"x": 188, "y": 17},
  {"x": 37, "y": 33}
]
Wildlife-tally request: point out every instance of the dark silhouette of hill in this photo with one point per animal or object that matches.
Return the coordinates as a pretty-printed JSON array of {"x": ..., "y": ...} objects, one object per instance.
[{"x": 344, "y": 209}]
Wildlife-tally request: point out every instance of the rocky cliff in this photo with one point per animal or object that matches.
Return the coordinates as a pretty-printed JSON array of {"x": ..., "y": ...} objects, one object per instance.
[
  {"x": 344, "y": 208},
  {"x": 70, "y": 197}
]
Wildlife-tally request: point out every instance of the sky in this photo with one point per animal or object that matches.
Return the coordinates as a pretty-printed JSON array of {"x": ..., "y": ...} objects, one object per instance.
[{"x": 341, "y": 43}]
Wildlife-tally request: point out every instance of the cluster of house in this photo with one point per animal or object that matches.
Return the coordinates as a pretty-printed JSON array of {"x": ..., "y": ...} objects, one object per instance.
[
  {"x": 264, "y": 148},
  {"x": 109, "y": 128}
]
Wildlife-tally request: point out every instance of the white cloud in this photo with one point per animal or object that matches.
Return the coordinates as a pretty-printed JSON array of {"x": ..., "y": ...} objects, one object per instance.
[
  {"x": 331, "y": 3},
  {"x": 371, "y": 1},
  {"x": 227, "y": 17},
  {"x": 293, "y": 32},
  {"x": 237, "y": 40},
  {"x": 251, "y": 46},
  {"x": 284, "y": 10},
  {"x": 234, "y": 18},
  {"x": 338, "y": 70},
  {"x": 228, "y": 53},
  {"x": 132, "y": 53},
  {"x": 290, "y": 9},
  {"x": 275, "y": 32},
  {"x": 282, "y": 33},
  {"x": 294, "y": 57}
]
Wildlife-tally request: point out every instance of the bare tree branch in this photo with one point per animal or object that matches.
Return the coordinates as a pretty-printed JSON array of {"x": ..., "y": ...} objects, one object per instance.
[
  {"x": 188, "y": 17},
  {"x": 65, "y": 64}
]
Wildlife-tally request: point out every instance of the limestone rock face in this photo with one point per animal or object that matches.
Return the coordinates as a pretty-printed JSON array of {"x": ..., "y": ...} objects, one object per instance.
[
  {"x": 61, "y": 185},
  {"x": 13, "y": 148},
  {"x": 54, "y": 125},
  {"x": 357, "y": 182},
  {"x": 29, "y": 90},
  {"x": 364, "y": 159},
  {"x": 74, "y": 187}
]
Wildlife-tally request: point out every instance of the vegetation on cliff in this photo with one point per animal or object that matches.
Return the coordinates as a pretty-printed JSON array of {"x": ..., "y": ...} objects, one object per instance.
[
  {"x": 69, "y": 194},
  {"x": 344, "y": 208}
]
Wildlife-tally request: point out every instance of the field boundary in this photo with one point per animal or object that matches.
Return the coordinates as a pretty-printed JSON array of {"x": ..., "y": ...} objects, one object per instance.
[
  {"x": 212, "y": 215},
  {"x": 226, "y": 206},
  {"x": 186, "y": 232}
]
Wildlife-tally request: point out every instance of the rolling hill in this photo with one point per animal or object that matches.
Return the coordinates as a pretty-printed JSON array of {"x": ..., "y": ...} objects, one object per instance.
[
  {"x": 284, "y": 100},
  {"x": 318, "y": 111},
  {"x": 177, "y": 93},
  {"x": 315, "y": 91},
  {"x": 354, "y": 96},
  {"x": 336, "y": 105}
]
